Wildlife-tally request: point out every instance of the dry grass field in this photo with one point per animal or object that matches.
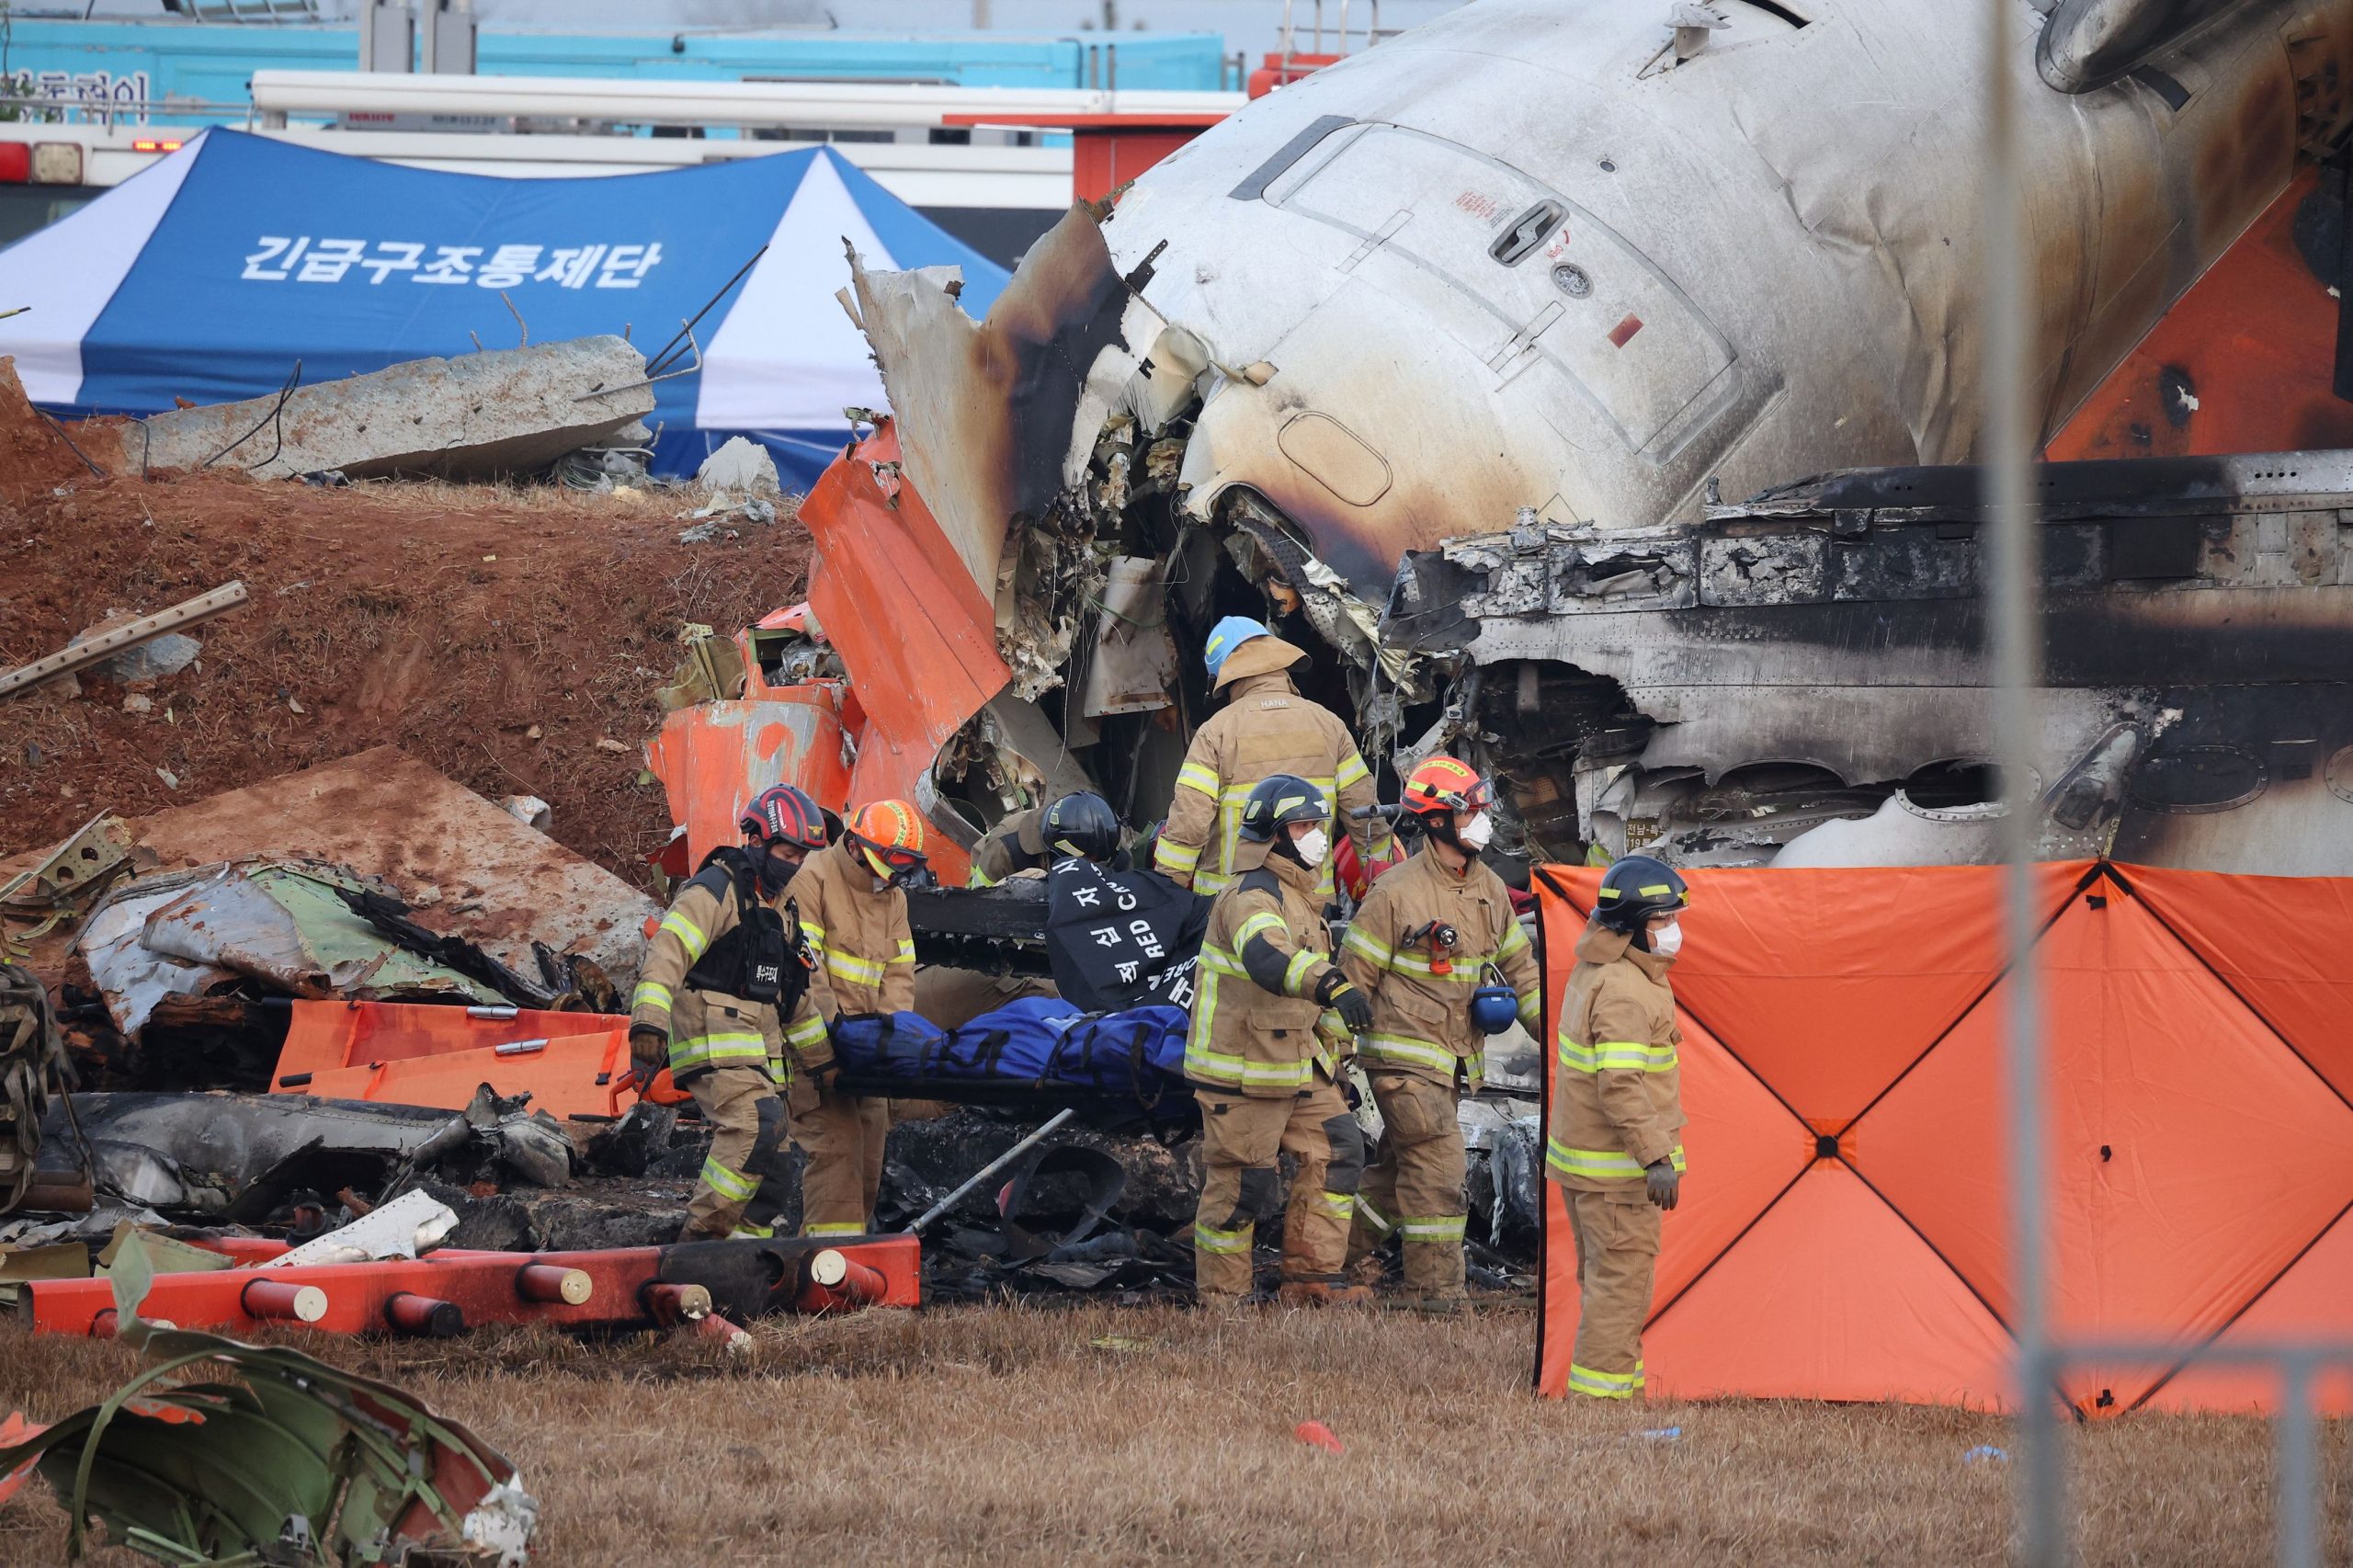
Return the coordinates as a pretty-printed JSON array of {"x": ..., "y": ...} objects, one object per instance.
[{"x": 1095, "y": 1435}]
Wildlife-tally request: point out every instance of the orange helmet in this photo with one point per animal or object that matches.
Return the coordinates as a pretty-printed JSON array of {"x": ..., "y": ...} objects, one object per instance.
[
  {"x": 889, "y": 834},
  {"x": 1446, "y": 784}
]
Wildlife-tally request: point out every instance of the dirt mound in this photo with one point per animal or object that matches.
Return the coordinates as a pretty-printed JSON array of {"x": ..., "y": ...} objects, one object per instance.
[{"x": 498, "y": 633}]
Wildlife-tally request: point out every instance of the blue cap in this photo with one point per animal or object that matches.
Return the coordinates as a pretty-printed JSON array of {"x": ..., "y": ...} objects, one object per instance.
[{"x": 1226, "y": 636}]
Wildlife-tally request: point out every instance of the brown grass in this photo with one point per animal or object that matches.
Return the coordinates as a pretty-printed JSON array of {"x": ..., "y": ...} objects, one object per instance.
[{"x": 996, "y": 1435}]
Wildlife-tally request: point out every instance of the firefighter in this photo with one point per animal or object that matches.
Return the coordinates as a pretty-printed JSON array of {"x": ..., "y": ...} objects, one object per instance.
[
  {"x": 854, "y": 914},
  {"x": 1015, "y": 845},
  {"x": 1427, "y": 944},
  {"x": 1265, "y": 728},
  {"x": 723, "y": 1002},
  {"x": 1262, "y": 1057},
  {"x": 1617, "y": 1113}
]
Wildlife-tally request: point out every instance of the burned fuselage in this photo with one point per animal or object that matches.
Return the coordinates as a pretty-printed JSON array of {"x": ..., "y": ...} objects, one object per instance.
[{"x": 1802, "y": 680}]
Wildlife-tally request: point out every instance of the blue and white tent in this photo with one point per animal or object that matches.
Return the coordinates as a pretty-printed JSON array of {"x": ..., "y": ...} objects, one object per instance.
[{"x": 209, "y": 275}]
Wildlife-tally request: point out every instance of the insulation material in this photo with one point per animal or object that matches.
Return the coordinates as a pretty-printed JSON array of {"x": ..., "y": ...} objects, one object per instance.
[{"x": 1843, "y": 1235}]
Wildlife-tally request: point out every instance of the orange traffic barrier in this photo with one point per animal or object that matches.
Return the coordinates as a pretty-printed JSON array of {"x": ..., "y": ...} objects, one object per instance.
[{"x": 1842, "y": 1233}]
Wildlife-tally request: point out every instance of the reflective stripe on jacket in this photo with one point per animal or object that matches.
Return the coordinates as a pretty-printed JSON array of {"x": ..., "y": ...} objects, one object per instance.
[
  {"x": 711, "y": 1028},
  {"x": 1617, "y": 1082},
  {"x": 1016, "y": 844},
  {"x": 1256, "y": 1025},
  {"x": 1265, "y": 728},
  {"x": 1421, "y": 1018},
  {"x": 866, "y": 950}
]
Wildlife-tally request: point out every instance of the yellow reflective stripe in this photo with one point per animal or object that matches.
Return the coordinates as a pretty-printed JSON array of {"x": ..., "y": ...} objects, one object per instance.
[
  {"x": 1531, "y": 1010},
  {"x": 1352, "y": 771},
  {"x": 906, "y": 953},
  {"x": 727, "y": 1183},
  {"x": 813, "y": 931},
  {"x": 1374, "y": 1220},
  {"x": 1212, "y": 882},
  {"x": 848, "y": 966},
  {"x": 980, "y": 878},
  {"x": 1222, "y": 962},
  {"x": 1434, "y": 1228},
  {"x": 745, "y": 1231},
  {"x": 1617, "y": 1056},
  {"x": 1405, "y": 1048},
  {"x": 1368, "y": 947},
  {"x": 1224, "y": 1067},
  {"x": 1605, "y": 1385},
  {"x": 809, "y": 1031},
  {"x": 703, "y": 1050},
  {"x": 650, "y": 994},
  {"x": 1210, "y": 1239},
  {"x": 837, "y": 1229},
  {"x": 691, "y": 937},
  {"x": 1464, "y": 971},
  {"x": 1564, "y": 1161},
  {"x": 1339, "y": 1205},
  {"x": 1262, "y": 921},
  {"x": 1295, "y": 971},
  {"x": 1656, "y": 889},
  {"x": 1515, "y": 939},
  {"x": 1198, "y": 776}
]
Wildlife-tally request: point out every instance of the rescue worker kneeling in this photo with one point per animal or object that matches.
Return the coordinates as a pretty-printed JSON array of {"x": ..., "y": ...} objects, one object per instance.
[
  {"x": 1616, "y": 1112},
  {"x": 1425, "y": 946},
  {"x": 1263, "y": 1058},
  {"x": 724, "y": 997}
]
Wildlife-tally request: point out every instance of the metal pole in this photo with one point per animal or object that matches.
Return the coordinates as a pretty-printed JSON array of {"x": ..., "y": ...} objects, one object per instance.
[
  {"x": 2298, "y": 1466},
  {"x": 945, "y": 1204},
  {"x": 2013, "y": 585}
]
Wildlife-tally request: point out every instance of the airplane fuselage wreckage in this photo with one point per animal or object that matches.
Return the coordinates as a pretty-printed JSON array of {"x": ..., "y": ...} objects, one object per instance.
[{"x": 1595, "y": 396}]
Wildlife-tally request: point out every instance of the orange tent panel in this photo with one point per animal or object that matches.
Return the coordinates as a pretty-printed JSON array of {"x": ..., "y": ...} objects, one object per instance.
[
  {"x": 2313, "y": 1300},
  {"x": 2279, "y": 942},
  {"x": 410, "y": 1054},
  {"x": 1831, "y": 1296},
  {"x": 2191, "y": 1156}
]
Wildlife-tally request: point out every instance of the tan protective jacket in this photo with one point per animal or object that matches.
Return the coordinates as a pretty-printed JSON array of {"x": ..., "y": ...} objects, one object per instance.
[
  {"x": 710, "y": 1028},
  {"x": 1617, "y": 1094},
  {"x": 1421, "y": 1015},
  {"x": 1016, "y": 844},
  {"x": 1256, "y": 1025},
  {"x": 1265, "y": 728},
  {"x": 866, "y": 950}
]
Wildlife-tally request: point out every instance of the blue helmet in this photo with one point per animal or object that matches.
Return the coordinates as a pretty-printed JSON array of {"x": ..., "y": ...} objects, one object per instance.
[{"x": 1226, "y": 636}]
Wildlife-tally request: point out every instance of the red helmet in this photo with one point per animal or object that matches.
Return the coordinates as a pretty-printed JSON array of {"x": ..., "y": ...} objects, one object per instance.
[
  {"x": 785, "y": 814},
  {"x": 889, "y": 834},
  {"x": 1446, "y": 784}
]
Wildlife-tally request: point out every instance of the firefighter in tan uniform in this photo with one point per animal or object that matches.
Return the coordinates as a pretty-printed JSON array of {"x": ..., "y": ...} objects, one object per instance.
[
  {"x": 1262, "y": 1056},
  {"x": 1427, "y": 945},
  {"x": 1017, "y": 844},
  {"x": 1614, "y": 1144},
  {"x": 854, "y": 914},
  {"x": 723, "y": 1002},
  {"x": 1265, "y": 728}
]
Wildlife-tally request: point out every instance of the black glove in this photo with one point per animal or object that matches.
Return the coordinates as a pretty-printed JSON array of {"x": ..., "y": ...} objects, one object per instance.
[
  {"x": 1663, "y": 1183},
  {"x": 1333, "y": 991}
]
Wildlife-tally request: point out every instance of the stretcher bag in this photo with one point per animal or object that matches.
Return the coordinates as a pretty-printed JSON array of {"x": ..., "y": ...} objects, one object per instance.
[{"x": 1038, "y": 1042}]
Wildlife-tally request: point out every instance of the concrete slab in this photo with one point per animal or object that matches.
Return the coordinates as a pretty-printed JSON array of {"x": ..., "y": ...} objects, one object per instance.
[{"x": 477, "y": 416}]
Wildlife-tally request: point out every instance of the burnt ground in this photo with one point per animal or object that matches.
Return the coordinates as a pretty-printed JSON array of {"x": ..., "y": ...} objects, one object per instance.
[{"x": 450, "y": 621}]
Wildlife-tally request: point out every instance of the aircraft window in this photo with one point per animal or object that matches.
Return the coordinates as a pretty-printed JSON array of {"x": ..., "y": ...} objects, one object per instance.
[
  {"x": 1255, "y": 185},
  {"x": 2198, "y": 779},
  {"x": 2340, "y": 773}
]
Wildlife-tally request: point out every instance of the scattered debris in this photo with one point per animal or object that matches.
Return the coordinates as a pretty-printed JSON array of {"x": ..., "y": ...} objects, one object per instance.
[
  {"x": 1316, "y": 1435},
  {"x": 32, "y": 1070},
  {"x": 408, "y": 1226},
  {"x": 96, "y": 647},
  {"x": 530, "y": 810},
  {"x": 293, "y": 1461},
  {"x": 484, "y": 415},
  {"x": 1986, "y": 1453},
  {"x": 740, "y": 467}
]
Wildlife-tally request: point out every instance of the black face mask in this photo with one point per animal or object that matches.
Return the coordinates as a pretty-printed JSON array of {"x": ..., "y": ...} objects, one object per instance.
[{"x": 775, "y": 874}]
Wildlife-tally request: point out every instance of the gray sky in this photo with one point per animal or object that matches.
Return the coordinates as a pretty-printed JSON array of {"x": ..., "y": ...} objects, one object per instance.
[{"x": 1250, "y": 25}]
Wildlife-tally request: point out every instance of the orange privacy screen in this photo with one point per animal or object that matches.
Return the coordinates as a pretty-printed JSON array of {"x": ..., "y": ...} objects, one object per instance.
[
  {"x": 1842, "y": 1233},
  {"x": 413, "y": 1053}
]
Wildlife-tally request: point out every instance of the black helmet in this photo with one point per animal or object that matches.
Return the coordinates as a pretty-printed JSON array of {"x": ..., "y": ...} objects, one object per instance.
[
  {"x": 1276, "y": 803},
  {"x": 1083, "y": 824},
  {"x": 1635, "y": 888}
]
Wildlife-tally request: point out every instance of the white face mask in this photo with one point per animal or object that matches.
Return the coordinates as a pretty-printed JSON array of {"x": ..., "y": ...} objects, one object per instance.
[
  {"x": 1669, "y": 942},
  {"x": 1313, "y": 846},
  {"x": 1477, "y": 833}
]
